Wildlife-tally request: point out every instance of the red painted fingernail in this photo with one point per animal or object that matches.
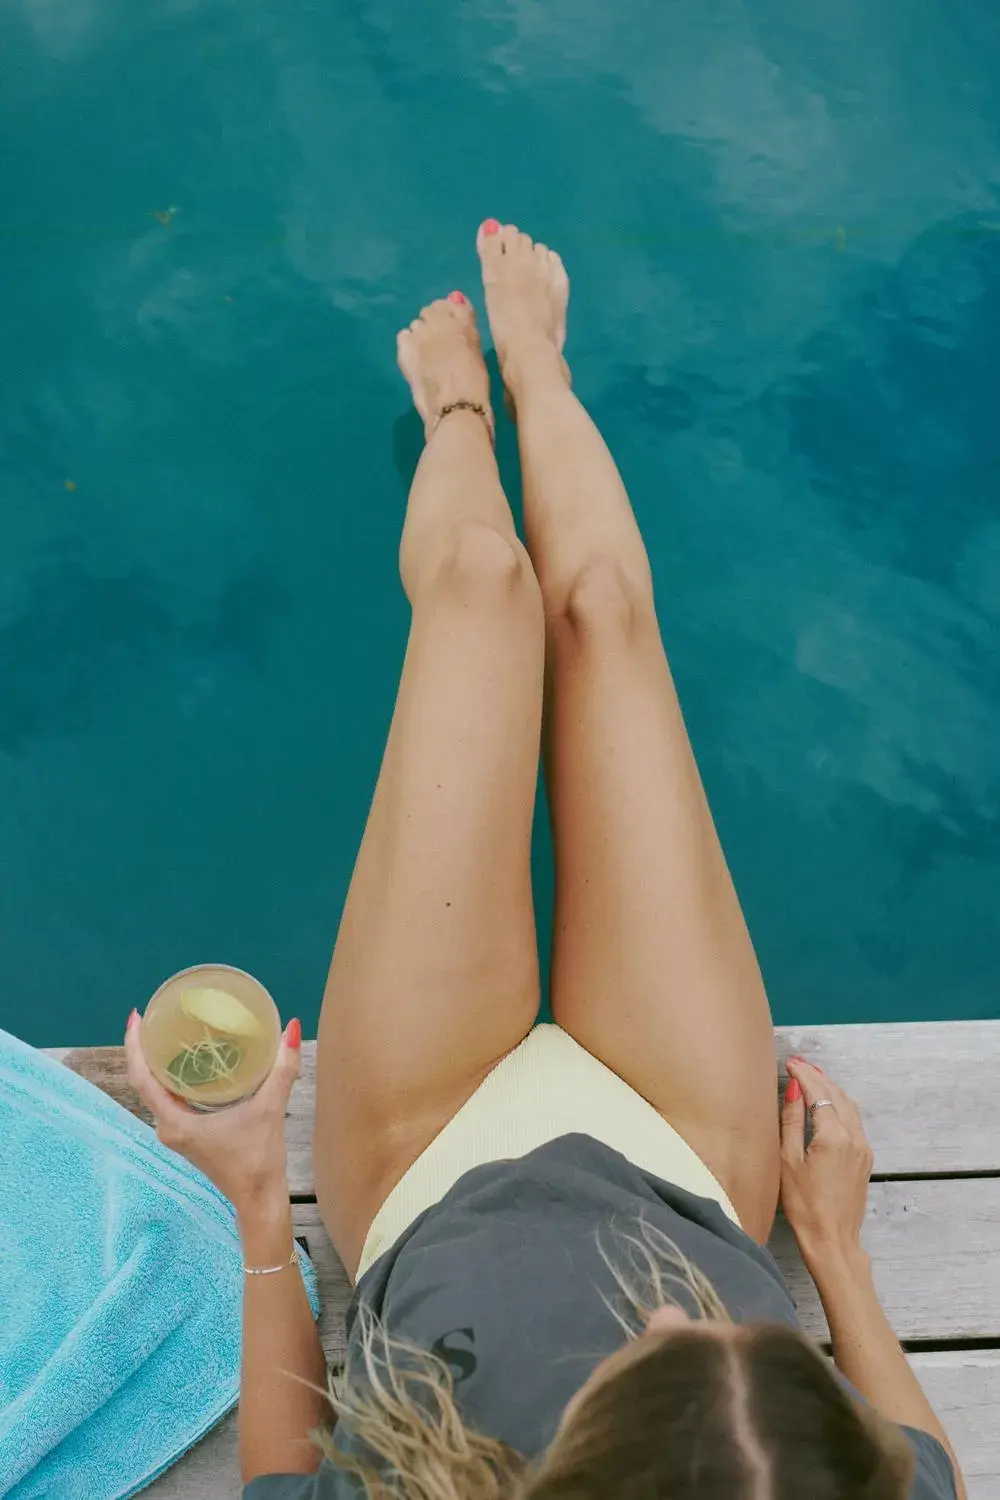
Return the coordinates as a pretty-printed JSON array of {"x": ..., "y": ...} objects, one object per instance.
[
  {"x": 293, "y": 1035},
  {"x": 491, "y": 226},
  {"x": 133, "y": 1019},
  {"x": 793, "y": 1091},
  {"x": 455, "y": 297}
]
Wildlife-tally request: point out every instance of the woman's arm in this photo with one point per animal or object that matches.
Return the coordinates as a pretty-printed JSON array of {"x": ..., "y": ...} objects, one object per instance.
[
  {"x": 866, "y": 1350},
  {"x": 242, "y": 1150},
  {"x": 824, "y": 1191},
  {"x": 284, "y": 1368}
]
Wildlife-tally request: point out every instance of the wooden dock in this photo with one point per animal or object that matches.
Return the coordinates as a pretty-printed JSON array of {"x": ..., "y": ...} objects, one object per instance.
[{"x": 930, "y": 1095}]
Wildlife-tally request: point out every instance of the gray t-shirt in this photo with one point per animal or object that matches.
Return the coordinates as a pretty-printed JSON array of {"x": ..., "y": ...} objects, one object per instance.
[{"x": 503, "y": 1278}]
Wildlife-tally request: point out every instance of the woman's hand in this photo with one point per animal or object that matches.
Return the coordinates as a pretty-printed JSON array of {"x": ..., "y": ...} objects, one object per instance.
[
  {"x": 241, "y": 1149},
  {"x": 824, "y": 1192},
  {"x": 824, "y": 1188}
]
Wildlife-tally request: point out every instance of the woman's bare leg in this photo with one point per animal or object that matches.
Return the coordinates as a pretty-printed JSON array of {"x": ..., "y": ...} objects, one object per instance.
[
  {"x": 652, "y": 970},
  {"x": 435, "y": 971}
]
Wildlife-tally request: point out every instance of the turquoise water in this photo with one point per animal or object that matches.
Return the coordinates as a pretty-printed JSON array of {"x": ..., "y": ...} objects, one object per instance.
[{"x": 783, "y": 228}]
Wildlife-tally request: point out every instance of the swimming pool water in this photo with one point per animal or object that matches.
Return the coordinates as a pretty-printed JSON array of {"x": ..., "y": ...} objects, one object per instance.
[{"x": 783, "y": 228}]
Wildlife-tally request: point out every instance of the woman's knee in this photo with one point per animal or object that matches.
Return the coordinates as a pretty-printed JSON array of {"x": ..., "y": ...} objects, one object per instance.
[
  {"x": 602, "y": 603},
  {"x": 481, "y": 566}
]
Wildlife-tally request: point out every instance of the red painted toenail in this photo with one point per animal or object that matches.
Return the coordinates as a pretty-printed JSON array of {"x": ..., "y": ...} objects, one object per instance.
[
  {"x": 491, "y": 226},
  {"x": 455, "y": 297}
]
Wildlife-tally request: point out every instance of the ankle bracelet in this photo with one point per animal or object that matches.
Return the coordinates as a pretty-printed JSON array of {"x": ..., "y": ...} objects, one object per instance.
[{"x": 476, "y": 406}]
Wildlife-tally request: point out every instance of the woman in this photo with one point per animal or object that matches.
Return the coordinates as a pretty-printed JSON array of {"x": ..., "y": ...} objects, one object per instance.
[{"x": 557, "y": 1231}]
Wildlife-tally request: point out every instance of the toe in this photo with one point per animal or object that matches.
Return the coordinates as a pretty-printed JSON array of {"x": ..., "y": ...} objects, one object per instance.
[
  {"x": 443, "y": 317},
  {"x": 444, "y": 310},
  {"x": 463, "y": 313},
  {"x": 519, "y": 243},
  {"x": 509, "y": 242},
  {"x": 507, "y": 239},
  {"x": 488, "y": 241}
]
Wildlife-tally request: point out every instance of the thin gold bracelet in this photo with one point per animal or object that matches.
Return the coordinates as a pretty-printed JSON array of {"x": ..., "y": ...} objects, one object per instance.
[{"x": 273, "y": 1270}]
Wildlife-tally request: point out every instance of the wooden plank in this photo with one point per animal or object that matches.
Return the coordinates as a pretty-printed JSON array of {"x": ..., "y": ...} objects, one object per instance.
[
  {"x": 211, "y": 1471},
  {"x": 964, "y": 1389},
  {"x": 334, "y": 1286},
  {"x": 963, "y": 1386},
  {"x": 935, "y": 1249},
  {"x": 927, "y": 1091}
]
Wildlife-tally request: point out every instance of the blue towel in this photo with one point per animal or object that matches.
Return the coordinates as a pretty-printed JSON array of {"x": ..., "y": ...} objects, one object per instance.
[{"x": 120, "y": 1291}]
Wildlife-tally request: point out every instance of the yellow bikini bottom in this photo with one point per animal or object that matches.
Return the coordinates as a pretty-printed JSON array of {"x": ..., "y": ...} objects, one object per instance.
[{"x": 547, "y": 1087}]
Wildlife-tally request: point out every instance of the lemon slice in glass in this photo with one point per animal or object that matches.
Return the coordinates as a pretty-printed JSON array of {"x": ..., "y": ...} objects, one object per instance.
[{"x": 221, "y": 1011}]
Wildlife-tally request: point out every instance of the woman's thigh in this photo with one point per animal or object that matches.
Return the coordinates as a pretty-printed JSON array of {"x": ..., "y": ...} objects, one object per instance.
[
  {"x": 434, "y": 975},
  {"x": 653, "y": 969}
]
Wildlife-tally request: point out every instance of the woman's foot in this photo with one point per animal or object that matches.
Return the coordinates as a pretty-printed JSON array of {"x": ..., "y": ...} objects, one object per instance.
[
  {"x": 527, "y": 292},
  {"x": 442, "y": 359}
]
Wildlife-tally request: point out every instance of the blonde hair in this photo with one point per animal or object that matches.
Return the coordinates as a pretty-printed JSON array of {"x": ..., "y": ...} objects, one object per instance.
[{"x": 399, "y": 1407}]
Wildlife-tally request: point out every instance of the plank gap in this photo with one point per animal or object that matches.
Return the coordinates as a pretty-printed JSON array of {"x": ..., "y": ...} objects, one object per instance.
[
  {"x": 948, "y": 1346},
  {"x": 978, "y": 1174}
]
